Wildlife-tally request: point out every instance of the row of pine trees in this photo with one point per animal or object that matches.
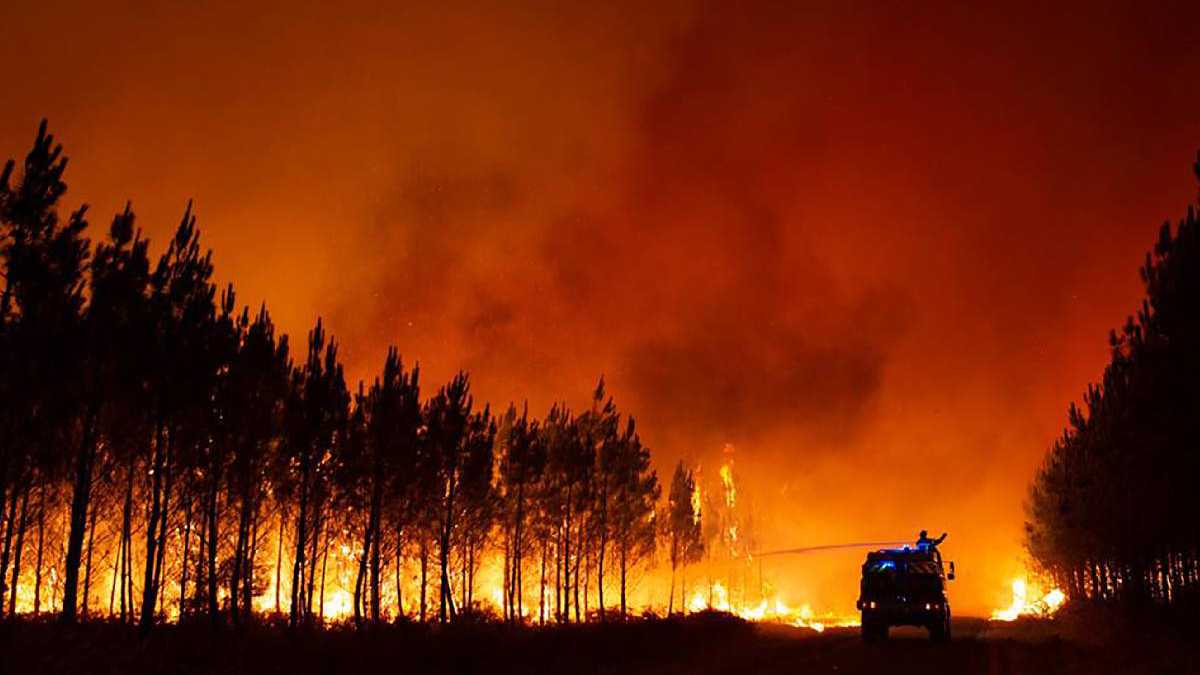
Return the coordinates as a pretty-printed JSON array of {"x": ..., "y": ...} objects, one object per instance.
[
  {"x": 164, "y": 453},
  {"x": 1114, "y": 511}
]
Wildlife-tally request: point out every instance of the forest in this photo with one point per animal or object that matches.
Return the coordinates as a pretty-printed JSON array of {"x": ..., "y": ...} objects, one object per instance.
[
  {"x": 166, "y": 455},
  {"x": 1113, "y": 511}
]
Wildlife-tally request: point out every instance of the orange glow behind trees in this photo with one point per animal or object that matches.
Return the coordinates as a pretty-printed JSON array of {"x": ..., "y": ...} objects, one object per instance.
[{"x": 874, "y": 249}]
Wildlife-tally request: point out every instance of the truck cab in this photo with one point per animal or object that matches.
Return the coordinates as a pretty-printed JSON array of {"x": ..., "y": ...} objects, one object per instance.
[{"x": 905, "y": 587}]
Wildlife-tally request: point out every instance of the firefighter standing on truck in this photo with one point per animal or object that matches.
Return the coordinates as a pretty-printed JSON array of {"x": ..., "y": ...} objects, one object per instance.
[{"x": 924, "y": 543}]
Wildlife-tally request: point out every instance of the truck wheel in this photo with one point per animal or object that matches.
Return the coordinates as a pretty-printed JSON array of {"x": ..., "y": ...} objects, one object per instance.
[
  {"x": 940, "y": 631},
  {"x": 874, "y": 630}
]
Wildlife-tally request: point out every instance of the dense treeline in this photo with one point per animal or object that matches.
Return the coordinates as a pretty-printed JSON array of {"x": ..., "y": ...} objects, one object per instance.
[
  {"x": 164, "y": 453},
  {"x": 1113, "y": 511}
]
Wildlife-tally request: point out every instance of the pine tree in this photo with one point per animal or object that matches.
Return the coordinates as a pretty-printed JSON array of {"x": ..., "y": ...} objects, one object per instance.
[
  {"x": 257, "y": 382},
  {"x": 1110, "y": 511},
  {"x": 44, "y": 264},
  {"x": 115, "y": 329},
  {"x": 682, "y": 522},
  {"x": 317, "y": 416},
  {"x": 634, "y": 497},
  {"x": 190, "y": 348},
  {"x": 521, "y": 467}
]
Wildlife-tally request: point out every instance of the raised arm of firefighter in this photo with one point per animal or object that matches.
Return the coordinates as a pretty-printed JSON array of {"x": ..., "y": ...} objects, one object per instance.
[{"x": 925, "y": 543}]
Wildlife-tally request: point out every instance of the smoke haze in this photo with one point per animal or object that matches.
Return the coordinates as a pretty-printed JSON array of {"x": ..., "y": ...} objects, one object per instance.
[{"x": 877, "y": 251}]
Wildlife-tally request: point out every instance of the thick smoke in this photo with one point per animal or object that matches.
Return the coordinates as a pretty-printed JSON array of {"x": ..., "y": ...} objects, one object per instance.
[
  {"x": 875, "y": 249},
  {"x": 688, "y": 278}
]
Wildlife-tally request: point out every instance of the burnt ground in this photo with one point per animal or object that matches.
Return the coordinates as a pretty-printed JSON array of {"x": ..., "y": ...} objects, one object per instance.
[{"x": 697, "y": 645}]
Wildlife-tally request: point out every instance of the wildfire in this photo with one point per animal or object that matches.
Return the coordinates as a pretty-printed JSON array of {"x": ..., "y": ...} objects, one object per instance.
[
  {"x": 729, "y": 488},
  {"x": 1030, "y": 601},
  {"x": 767, "y": 610},
  {"x": 336, "y": 565},
  {"x": 727, "y": 481}
]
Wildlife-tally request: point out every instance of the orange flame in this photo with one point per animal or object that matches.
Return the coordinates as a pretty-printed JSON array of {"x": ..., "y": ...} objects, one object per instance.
[{"x": 1030, "y": 601}]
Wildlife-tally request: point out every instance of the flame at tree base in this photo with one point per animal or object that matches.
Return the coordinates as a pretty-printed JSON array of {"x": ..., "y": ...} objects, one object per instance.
[
  {"x": 1030, "y": 601},
  {"x": 772, "y": 611}
]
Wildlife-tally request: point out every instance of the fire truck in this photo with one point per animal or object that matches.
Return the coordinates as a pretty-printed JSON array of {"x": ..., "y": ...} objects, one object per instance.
[{"x": 905, "y": 587}]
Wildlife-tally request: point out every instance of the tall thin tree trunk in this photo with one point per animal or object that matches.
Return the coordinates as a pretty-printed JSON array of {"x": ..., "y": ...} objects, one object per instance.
[
  {"x": 375, "y": 573},
  {"x": 235, "y": 572},
  {"x": 542, "y": 587},
  {"x": 446, "y": 599},
  {"x": 248, "y": 574},
  {"x": 279, "y": 554},
  {"x": 199, "y": 597},
  {"x": 112, "y": 591},
  {"x": 87, "y": 571},
  {"x": 318, "y": 530},
  {"x": 324, "y": 564},
  {"x": 558, "y": 576},
  {"x": 624, "y": 569},
  {"x": 359, "y": 581},
  {"x": 462, "y": 565},
  {"x": 10, "y": 516},
  {"x": 361, "y": 574},
  {"x": 16, "y": 574},
  {"x": 399, "y": 584},
  {"x": 127, "y": 575},
  {"x": 671, "y": 599},
  {"x": 162, "y": 530},
  {"x": 301, "y": 534},
  {"x": 518, "y": 551},
  {"x": 376, "y": 534},
  {"x": 187, "y": 544},
  {"x": 470, "y": 580},
  {"x": 79, "y": 510},
  {"x": 566, "y": 563},
  {"x": 508, "y": 576},
  {"x": 580, "y": 554},
  {"x": 425, "y": 565},
  {"x": 126, "y": 539},
  {"x": 600, "y": 569},
  {"x": 214, "y": 496},
  {"x": 147, "y": 616},
  {"x": 424, "y": 574},
  {"x": 41, "y": 539}
]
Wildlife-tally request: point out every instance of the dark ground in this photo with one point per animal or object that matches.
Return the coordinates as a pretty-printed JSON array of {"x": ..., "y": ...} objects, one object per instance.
[{"x": 697, "y": 645}]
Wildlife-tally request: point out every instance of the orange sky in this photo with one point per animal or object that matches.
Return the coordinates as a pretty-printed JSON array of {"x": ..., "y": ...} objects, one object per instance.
[{"x": 877, "y": 250}]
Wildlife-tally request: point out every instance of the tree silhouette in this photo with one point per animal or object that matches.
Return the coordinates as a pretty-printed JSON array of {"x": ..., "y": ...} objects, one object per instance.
[
  {"x": 634, "y": 494},
  {"x": 1111, "y": 512},
  {"x": 459, "y": 447},
  {"x": 257, "y": 387},
  {"x": 185, "y": 323},
  {"x": 43, "y": 297},
  {"x": 317, "y": 414},
  {"x": 381, "y": 466},
  {"x": 155, "y": 439},
  {"x": 115, "y": 330},
  {"x": 682, "y": 523},
  {"x": 522, "y": 466}
]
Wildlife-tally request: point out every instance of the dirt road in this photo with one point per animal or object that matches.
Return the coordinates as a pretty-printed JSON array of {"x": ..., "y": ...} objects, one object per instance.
[{"x": 978, "y": 647}]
